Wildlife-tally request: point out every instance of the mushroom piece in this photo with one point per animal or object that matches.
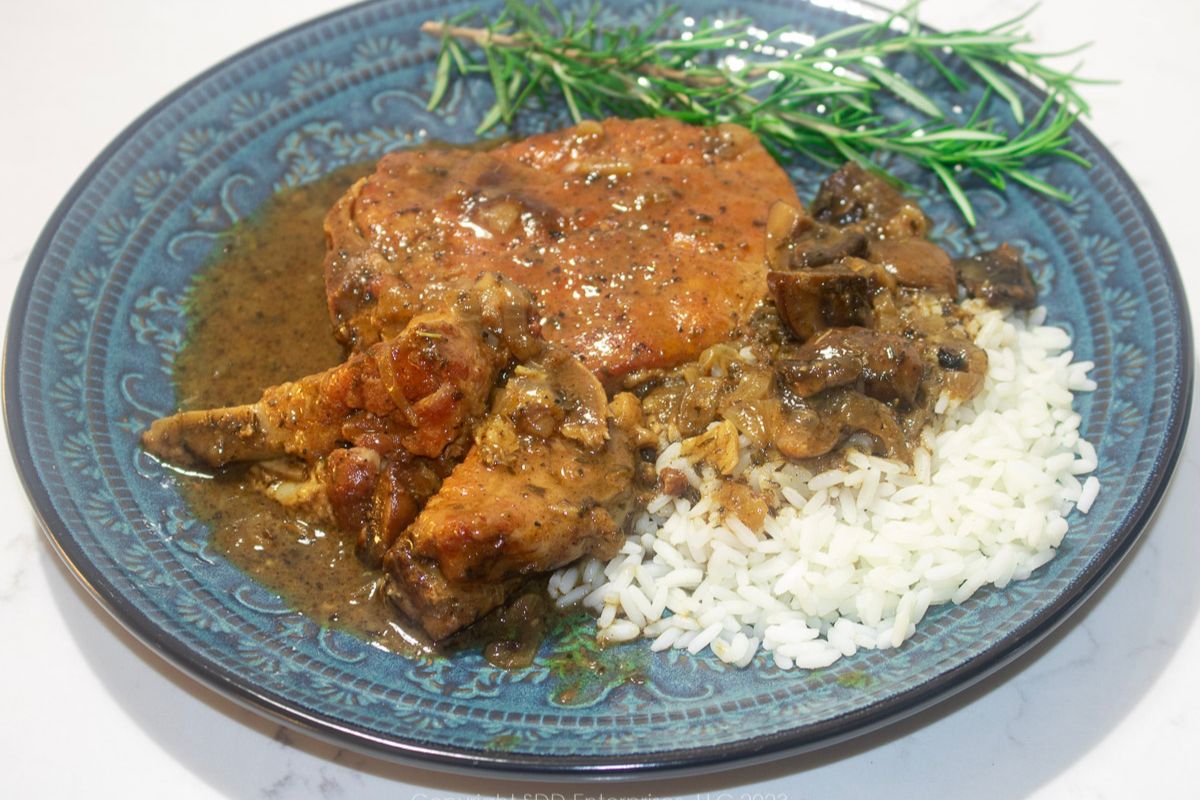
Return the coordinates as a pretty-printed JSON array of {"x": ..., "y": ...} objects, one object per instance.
[
  {"x": 854, "y": 196},
  {"x": 999, "y": 277},
  {"x": 813, "y": 300},
  {"x": 882, "y": 366},
  {"x": 915, "y": 263}
]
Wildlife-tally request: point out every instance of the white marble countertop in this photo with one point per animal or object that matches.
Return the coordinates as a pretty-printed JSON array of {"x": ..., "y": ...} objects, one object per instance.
[{"x": 1108, "y": 707}]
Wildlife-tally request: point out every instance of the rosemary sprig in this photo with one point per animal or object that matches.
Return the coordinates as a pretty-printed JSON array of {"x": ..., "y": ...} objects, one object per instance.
[{"x": 822, "y": 98}]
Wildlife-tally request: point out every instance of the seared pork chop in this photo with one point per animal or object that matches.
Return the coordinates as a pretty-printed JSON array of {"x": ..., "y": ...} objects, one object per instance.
[
  {"x": 549, "y": 480},
  {"x": 376, "y": 434},
  {"x": 417, "y": 392},
  {"x": 642, "y": 240},
  {"x": 595, "y": 254}
]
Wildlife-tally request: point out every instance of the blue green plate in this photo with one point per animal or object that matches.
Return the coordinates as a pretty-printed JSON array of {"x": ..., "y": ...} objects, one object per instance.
[{"x": 98, "y": 317}]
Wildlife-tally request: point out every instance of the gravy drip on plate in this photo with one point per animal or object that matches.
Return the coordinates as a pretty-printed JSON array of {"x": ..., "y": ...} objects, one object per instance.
[{"x": 257, "y": 317}]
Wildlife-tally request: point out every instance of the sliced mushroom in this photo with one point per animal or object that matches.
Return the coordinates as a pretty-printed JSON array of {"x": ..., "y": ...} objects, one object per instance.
[
  {"x": 854, "y": 196},
  {"x": 999, "y": 277},
  {"x": 915, "y": 263},
  {"x": 813, "y": 300},
  {"x": 883, "y": 366}
]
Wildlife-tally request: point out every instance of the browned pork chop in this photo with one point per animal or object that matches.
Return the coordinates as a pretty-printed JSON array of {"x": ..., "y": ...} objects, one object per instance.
[
  {"x": 549, "y": 480},
  {"x": 642, "y": 240},
  {"x": 378, "y": 432}
]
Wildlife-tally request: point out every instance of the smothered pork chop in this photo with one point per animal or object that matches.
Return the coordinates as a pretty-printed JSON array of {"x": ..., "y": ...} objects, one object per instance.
[
  {"x": 641, "y": 241},
  {"x": 528, "y": 326},
  {"x": 556, "y": 267}
]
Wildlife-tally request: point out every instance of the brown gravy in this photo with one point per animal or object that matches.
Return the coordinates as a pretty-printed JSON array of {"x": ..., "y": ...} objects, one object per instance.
[{"x": 257, "y": 317}]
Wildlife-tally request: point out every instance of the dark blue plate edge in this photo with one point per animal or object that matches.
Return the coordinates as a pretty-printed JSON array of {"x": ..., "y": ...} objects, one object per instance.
[{"x": 661, "y": 764}]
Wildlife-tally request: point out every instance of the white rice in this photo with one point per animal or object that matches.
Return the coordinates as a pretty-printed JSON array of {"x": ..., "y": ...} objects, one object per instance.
[{"x": 854, "y": 557}]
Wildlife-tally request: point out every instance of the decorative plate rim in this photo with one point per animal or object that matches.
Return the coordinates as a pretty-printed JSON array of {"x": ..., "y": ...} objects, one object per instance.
[{"x": 710, "y": 758}]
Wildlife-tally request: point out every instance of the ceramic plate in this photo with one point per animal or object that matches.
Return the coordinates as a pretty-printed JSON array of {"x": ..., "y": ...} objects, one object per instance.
[{"x": 99, "y": 315}]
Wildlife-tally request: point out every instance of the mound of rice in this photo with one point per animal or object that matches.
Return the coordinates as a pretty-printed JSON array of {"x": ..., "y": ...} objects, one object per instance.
[{"x": 854, "y": 557}]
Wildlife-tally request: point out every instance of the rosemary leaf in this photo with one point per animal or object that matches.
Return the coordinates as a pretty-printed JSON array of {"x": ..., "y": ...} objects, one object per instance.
[
  {"x": 900, "y": 87},
  {"x": 826, "y": 101},
  {"x": 999, "y": 85},
  {"x": 441, "y": 80},
  {"x": 955, "y": 190},
  {"x": 1023, "y": 177}
]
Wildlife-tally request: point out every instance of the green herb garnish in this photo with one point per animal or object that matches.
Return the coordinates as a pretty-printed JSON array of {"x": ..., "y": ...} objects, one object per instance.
[{"x": 821, "y": 98}]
